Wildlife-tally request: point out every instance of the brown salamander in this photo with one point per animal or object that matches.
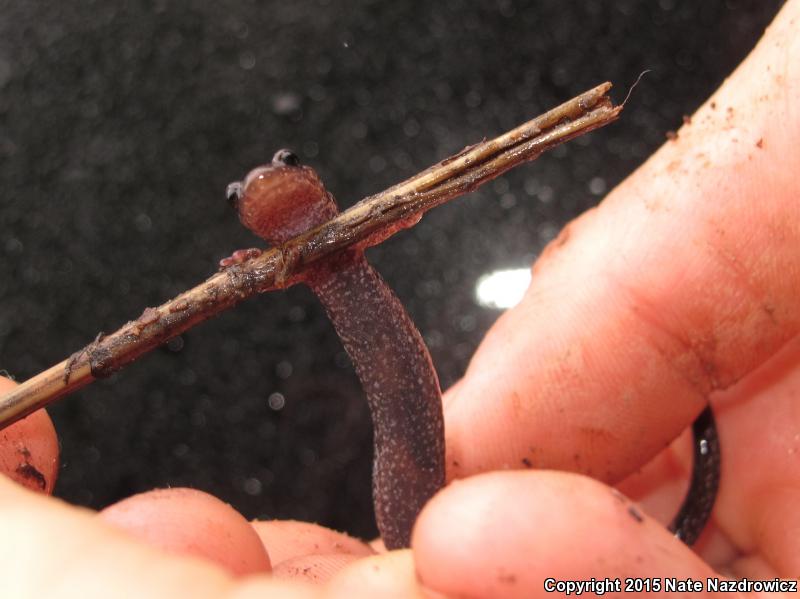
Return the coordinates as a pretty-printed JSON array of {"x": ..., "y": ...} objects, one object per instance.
[{"x": 283, "y": 199}]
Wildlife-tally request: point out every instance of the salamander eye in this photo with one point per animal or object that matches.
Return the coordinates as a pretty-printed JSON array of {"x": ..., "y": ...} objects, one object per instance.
[
  {"x": 285, "y": 158},
  {"x": 233, "y": 193}
]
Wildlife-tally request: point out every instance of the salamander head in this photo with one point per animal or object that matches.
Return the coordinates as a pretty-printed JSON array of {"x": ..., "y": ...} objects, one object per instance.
[{"x": 280, "y": 200}]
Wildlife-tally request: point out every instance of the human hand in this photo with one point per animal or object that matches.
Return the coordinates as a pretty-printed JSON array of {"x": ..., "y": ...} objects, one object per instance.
[
  {"x": 683, "y": 282},
  {"x": 54, "y": 550},
  {"x": 683, "y": 285}
]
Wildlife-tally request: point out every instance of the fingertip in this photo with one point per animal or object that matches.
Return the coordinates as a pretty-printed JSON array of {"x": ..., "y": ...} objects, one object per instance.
[
  {"x": 390, "y": 574},
  {"x": 288, "y": 539},
  {"x": 378, "y": 545},
  {"x": 191, "y": 522},
  {"x": 504, "y": 533},
  {"x": 316, "y": 569},
  {"x": 29, "y": 449}
]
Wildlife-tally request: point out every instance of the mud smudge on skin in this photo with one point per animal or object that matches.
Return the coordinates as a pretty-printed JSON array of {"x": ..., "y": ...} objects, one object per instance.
[
  {"x": 30, "y": 473},
  {"x": 635, "y": 514}
]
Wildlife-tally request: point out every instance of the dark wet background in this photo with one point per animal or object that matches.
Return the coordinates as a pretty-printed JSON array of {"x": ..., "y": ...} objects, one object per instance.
[{"x": 121, "y": 124}]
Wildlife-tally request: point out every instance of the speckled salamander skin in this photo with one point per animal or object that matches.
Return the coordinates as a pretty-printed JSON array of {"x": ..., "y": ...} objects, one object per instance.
[
  {"x": 283, "y": 199},
  {"x": 396, "y": 372}
]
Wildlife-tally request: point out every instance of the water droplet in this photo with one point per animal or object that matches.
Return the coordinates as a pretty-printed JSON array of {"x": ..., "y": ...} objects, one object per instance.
[
  {"x": 187, "y": 377},
  {"x": 143, "y": 222},
  {"x": 253, "y": 486},
  {"x": 247, "y": 60},
  {"x": 467, "y": 323},
  {"x": 14, "y": 246},
  {"x": 359, "y": 130},
  {"x": 285, "y": 103},
  {"x": 545, "y": 194},
  {"x": 377, "y": 164},
  {"x": 411, "y": 127},
  {"x": 472, "y": 99},
  {"x": 276, "y": 401},
  {"x": 508, "y": 201},
  {"x": 284, "y": 369},
  {"x": 597, "y": 186}
]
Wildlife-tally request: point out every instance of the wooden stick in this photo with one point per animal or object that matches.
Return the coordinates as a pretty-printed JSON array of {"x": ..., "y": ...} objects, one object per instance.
[{"x": 369, "y": 222}]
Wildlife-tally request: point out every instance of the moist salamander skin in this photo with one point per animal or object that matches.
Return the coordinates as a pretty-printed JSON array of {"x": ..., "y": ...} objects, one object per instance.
[{"x": 283, "y": 199}]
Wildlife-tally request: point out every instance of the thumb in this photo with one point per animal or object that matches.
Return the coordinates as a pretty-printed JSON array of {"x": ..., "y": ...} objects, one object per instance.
[{"x": 508, "y": 534}]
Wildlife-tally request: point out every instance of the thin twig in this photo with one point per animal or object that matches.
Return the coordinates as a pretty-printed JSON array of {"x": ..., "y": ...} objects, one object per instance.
[{"x": 367, "y": 223}]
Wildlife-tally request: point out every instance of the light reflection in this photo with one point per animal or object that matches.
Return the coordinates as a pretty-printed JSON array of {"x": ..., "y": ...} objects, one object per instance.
[{"x": 502, "y": 289}]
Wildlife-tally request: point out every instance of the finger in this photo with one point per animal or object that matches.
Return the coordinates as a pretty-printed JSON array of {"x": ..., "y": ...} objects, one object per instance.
[
  {"x": 683, "y": 281},
  {"x": 29, "y": 449},
  {"x": 315, "y": 569},
  {"x": 53, "y": 550},
  {"x": 190, "y": 522},
  {"x": 378, "y": 546},
  {"x": 390, "y": 574},
  {"x": 288, "y": 539},
  {"x": 748, "y": 533},
  {"x": 763, "y": 472},
  {"x": 503, "y": 534},
  {"x": 660, "y": 485}
]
